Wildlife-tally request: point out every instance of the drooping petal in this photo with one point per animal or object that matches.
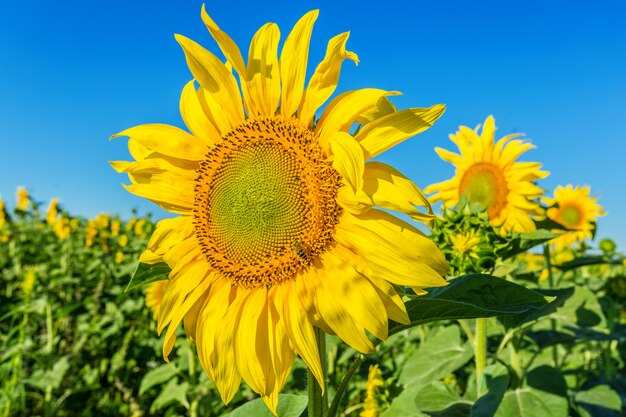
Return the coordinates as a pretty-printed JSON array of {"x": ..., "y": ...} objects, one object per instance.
[
  {"x": 324, "y": 80},
  {"x": 295, "y": 305},
  {"x": 388, "y": 131},
  {"x": 341, "y": 113}
]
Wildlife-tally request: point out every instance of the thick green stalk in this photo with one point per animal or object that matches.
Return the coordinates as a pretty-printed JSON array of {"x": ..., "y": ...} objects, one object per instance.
[
  {"x": 318, "y": 403},
  {"x": 480, "y": 353}
]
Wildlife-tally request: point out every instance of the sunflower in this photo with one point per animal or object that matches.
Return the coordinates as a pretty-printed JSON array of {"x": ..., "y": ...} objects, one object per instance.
[
  {"x": 277, "y": 230},
  {"x": 22, "y": 198},
  {"x": 154, "y": 295},
  {"x": 574, "y": 208},
  {"x": 488, "y": 173},
  {"x": 52, "y": 212}
]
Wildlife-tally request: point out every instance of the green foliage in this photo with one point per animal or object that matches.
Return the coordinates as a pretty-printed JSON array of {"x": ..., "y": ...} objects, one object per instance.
[{"x": 77, "y": 339}]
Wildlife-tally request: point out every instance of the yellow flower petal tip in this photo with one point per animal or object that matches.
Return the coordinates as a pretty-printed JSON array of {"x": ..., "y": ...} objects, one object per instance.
[{"x": 270, "y": 205}]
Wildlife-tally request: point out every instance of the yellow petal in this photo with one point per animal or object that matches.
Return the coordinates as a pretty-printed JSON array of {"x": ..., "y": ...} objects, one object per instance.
[
  {"x": 198, "y": 273},
  {"x": 381, "y": 108},
  {"x": 137, "y": 150},
  {"x": 335, "y": 314},
  {"x": 388, "y": 188},
  {"x": 190, "y": 321},
  {"x": 227, "y": 45},
  {"x": 169, "y": 232},
  {"x": 149, "y": 257},
  {"x": 263, "y": 80},
  {"x": 341, "y": 113},
  {"x": 214, "y": 77},
  {"x": 177, "y": 291},
  {"x": 173, "y": 196},
  {"x": 293, "y": 63},
  {"x": 324, "y": 80},
  {"x": 251, "y": 350},
  {"x": 212, "y": 312},
  {"x": 388, "y": 131},
  {"x": 392, "y": 248},
  {"x": 168, "y": 140},
  {"x": 281, "y": 354},
  {"x": 348, "y": 159},
  {"x": 355, "y": 291},
  {"x": 227, "y": 377},
  {"x": 195, "y": 118},
  {"x": 293, "y": 302}
]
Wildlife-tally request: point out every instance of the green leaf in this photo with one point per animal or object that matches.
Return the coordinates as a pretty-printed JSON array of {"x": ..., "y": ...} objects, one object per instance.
[
  {"x": 435, "y": 396},
  {"x": 495, "y": 382},
  {"x": 600, "y": 401},
  {"x": 171, "y": 393},
  {"x": 471, "y": 296},
  {"x": 521, "y": 242},
  {"x": 441, "y": 354},
  {"x": 586, "y": 261},
  {"x": 51, "y": 377},
  {"x": 157, "y": 376},
  {"x": 529, "y": 402},
  {"x": 146, "y": 273},
  {"x": 560, "y": 297},
  {"x": 582, "y": 309},
  {"x": 404, "y": 404},
  {"x": 545, "y": 396},
  {"x": 289, "y": 405},
  {"x": 547, "y": 379}
]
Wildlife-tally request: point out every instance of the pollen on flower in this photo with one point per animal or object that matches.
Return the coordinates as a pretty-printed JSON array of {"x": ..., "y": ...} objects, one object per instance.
[{"x": 265, "y": 202}]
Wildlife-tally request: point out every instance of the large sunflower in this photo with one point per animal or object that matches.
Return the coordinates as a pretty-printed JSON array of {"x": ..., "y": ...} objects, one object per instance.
[
  {"x": 574, "y": 208},
  {"x": 277, "y": 230},
  {"x": 488, "y": 173}
]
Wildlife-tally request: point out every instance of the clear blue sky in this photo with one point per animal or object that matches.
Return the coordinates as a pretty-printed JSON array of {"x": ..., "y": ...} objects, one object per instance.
[{"x": 72, "y": 73}]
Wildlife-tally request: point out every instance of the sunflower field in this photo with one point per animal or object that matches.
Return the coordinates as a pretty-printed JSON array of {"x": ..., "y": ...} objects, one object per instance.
[{"x": 298, "y": 274}]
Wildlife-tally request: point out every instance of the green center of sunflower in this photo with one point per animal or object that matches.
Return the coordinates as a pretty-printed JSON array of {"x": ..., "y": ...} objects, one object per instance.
[
  {"x": 484, "y": 183},
  {"x": 256, "y": 202},
  {"x": 265, "y": 202},
  {"x": 570, "y": 216}
]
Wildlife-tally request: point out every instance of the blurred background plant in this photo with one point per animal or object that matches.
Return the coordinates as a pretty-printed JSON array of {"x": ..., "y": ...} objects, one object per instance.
[{"x": 74, "y": 343}]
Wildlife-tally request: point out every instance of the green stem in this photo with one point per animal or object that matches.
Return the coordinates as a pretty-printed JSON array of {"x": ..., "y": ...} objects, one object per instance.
[
  {"x": 318, "y": 402},
  {"x": 546, "y": 254},
  {"x": 191, "y": 362},
  {"x": 515, "y": 361},
  {"x": 480, "y": 353},
  {"x": 468, "y": 332},
  {"x": 354, "y": 366}
]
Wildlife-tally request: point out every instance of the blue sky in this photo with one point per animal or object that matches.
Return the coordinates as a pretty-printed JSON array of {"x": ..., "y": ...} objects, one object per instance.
[{"x": 73, "y": 73}]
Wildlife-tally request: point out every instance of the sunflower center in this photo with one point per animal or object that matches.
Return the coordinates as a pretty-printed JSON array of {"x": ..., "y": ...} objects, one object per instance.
[
  {"x": 570, "y": 217},
  {"x": 265, "y": 202},
  {"x": 484, "y": 183}
]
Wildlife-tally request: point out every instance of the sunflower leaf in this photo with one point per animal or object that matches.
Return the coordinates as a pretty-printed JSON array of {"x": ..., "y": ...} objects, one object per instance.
[
  {"x": 147, "y": 273},
  {"x": 521, "y": 242},
  {"x": 471, "y": 296}
]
